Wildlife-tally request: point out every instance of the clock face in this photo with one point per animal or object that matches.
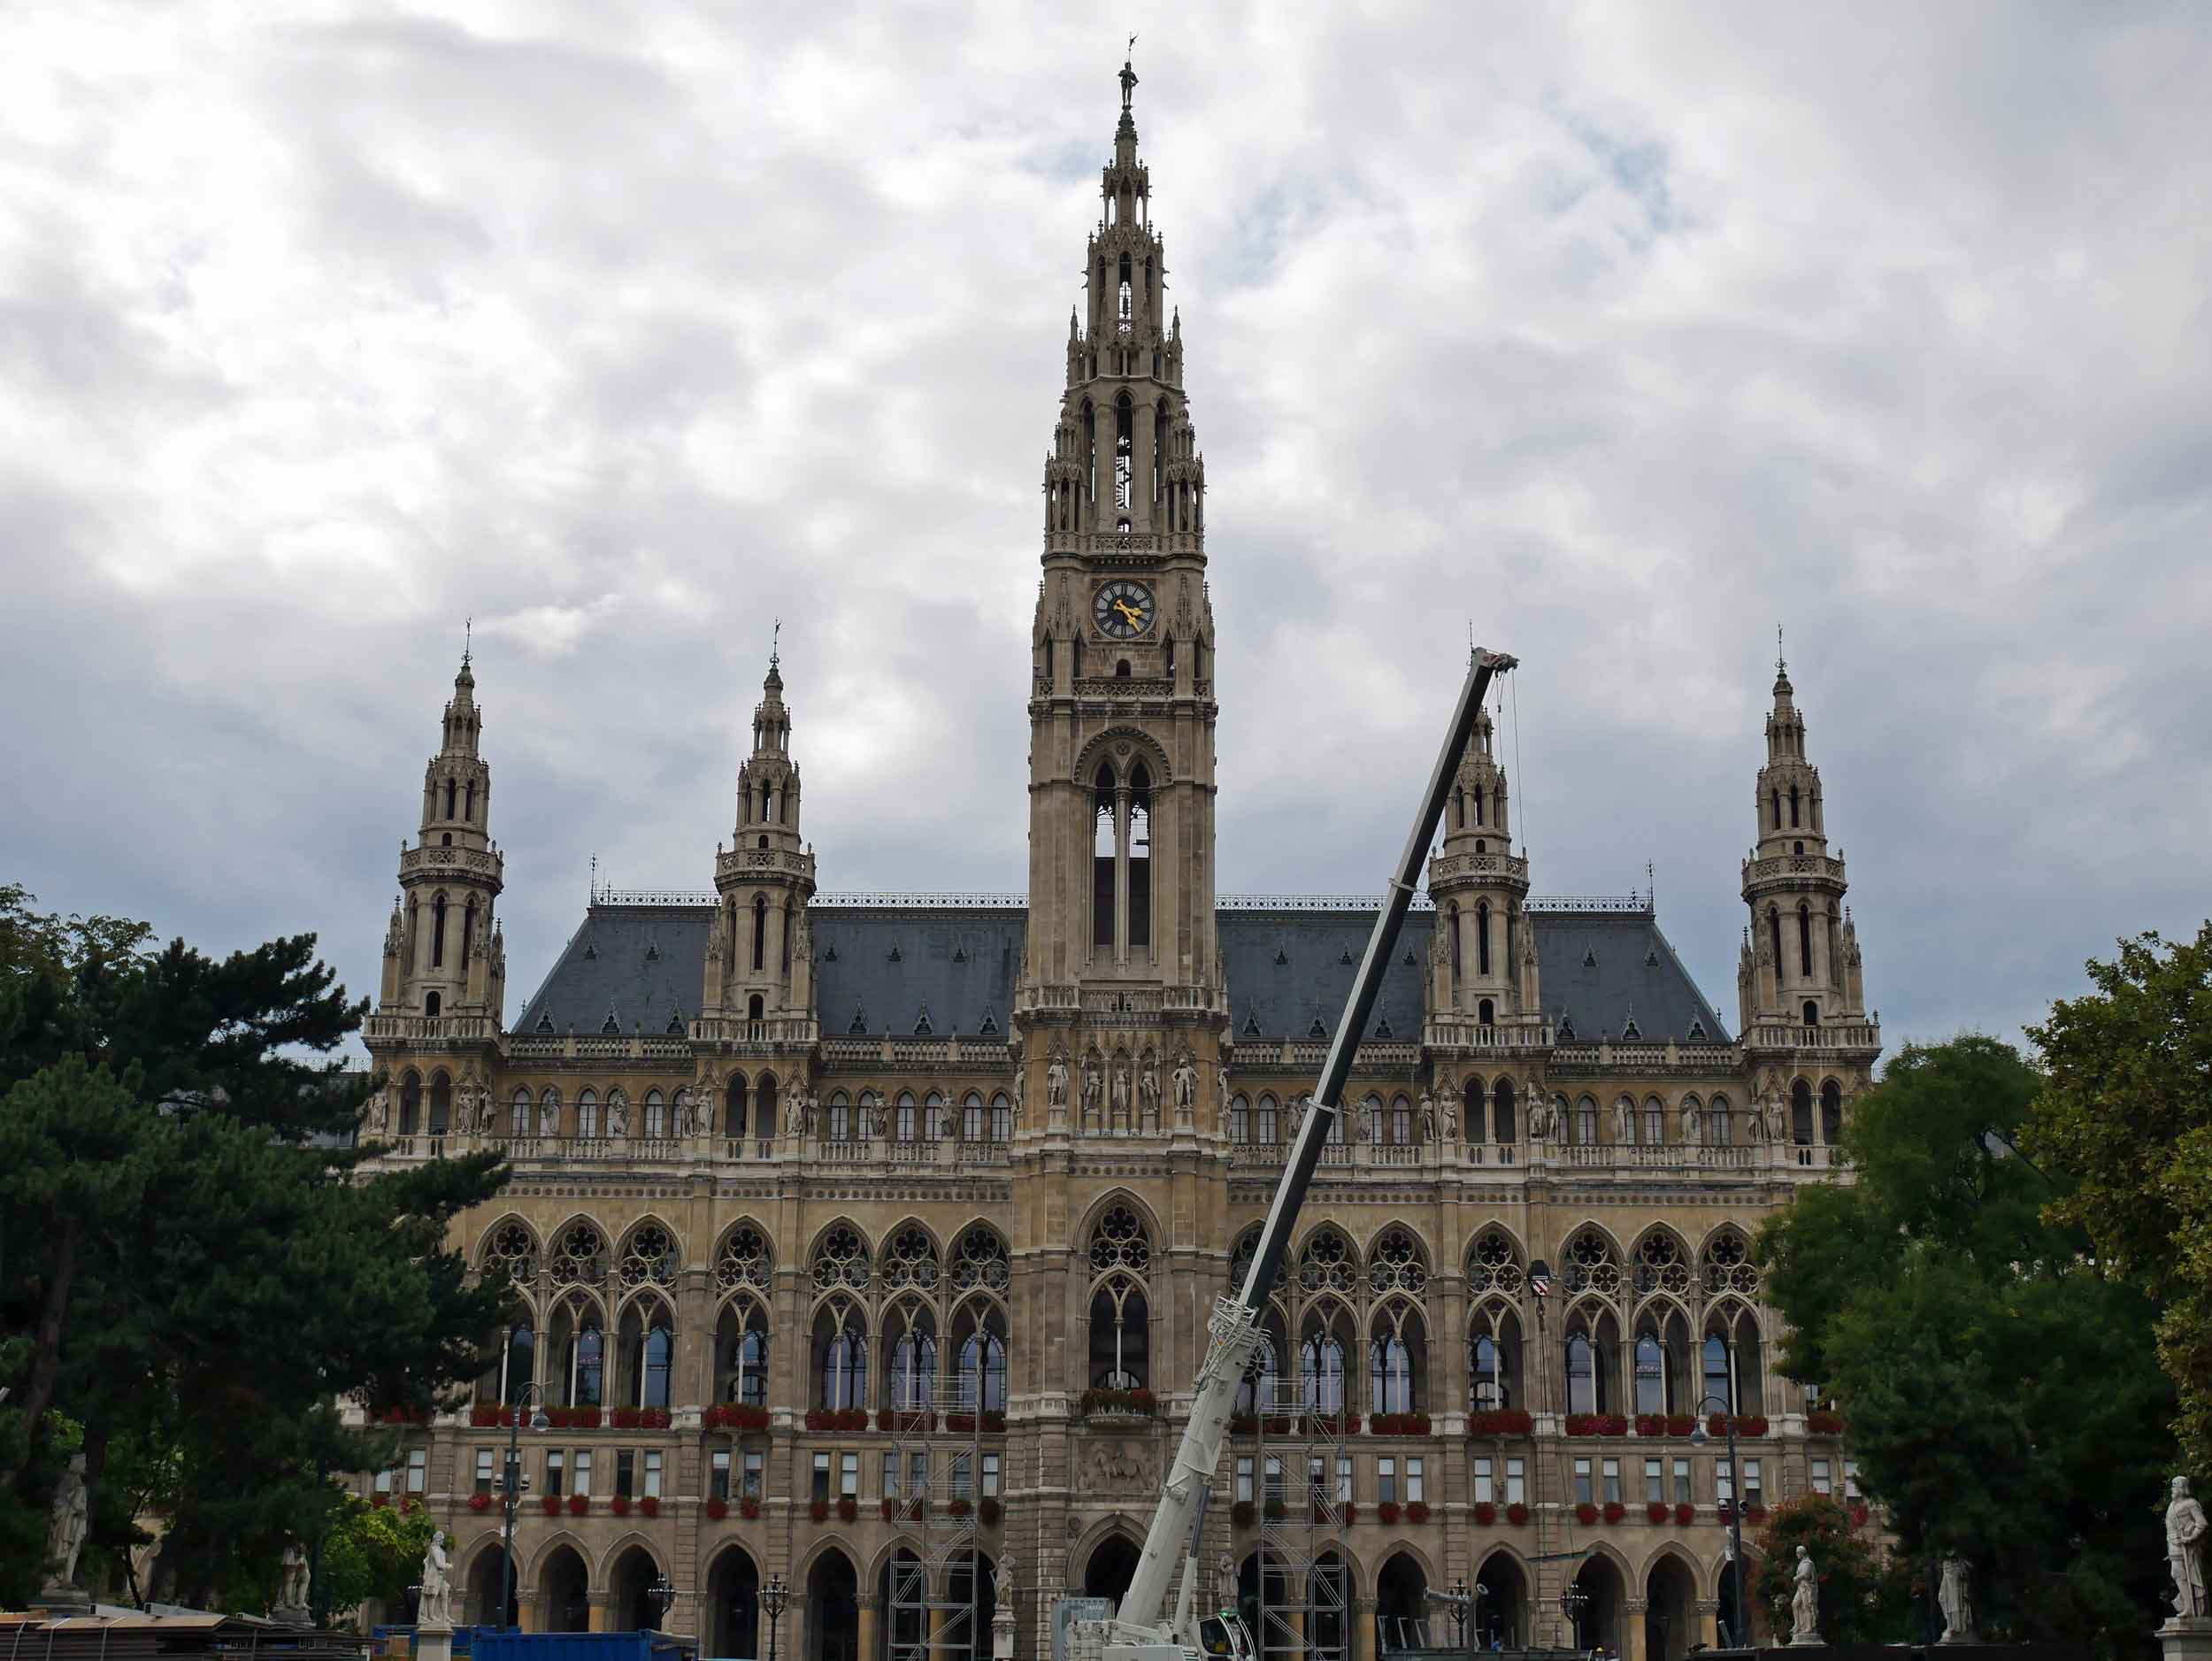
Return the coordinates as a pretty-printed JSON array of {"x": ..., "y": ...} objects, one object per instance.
[{"x": 1122, "y": 610}]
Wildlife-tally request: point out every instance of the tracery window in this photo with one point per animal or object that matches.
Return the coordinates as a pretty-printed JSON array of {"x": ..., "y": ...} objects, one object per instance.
[
  {"x": 1259, "y": 1390},
  {"x": 1327, "y": 1264},
  {"x": 1396, "y": 1264},
  {"x": 911, "y": 1387},
  {"x": 1726, "y": 1265},
  {"x": 1591, "y": 1265},
  {"x": 649, "y": 1349},
  {"x": 1120, "y": 1336},
  {"x": 579, "y": 1256},
  {"x": 1494, "y": 1374},
  {"x": 980, "y": 1260},
  {"x": 583, "y": 1352},
  {"x": 1321, "y": 1356},
  {"x": 840, "y": 1259},
  {"x": 982, "y": 1362},
  {"x": 1659, "y": 1265},
  {"x": 840, "y": 1352},
  {"x": 1242, "y": 1257},
  {"x": 1396, "y": 1360},
  {"x": 514, "y": 1249},
  {"x": 1119, "y": 1242},
  {"x": 744, "y": 1348},
  {"x": 911, "y": 1259},
  {"x": 649, "y": 1255},
  {"x": 1493, "y": 1265},
  {"x": 1592, "y": 1341},
  {"x": 745, "y": 1260}
]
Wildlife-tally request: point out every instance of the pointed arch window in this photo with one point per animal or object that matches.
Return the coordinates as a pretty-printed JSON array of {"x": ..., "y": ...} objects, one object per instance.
[
  {"x": 760, "y": 931},
  {"x": 1140, "y": 858},
  {"x": 1105, "y": 846},
  {"x": 983, "y": 1370},
  {"x": 1266, "y": 1122},
  {"x": 1321, "y": 1368},
  {"x": 437, "y": 932},
  {"x": 746, "y": 1354},
  {"x": 1802, "y": 1113},
  {"x": 1774, "y": 927},
  {"x": 587, "y": 1113},
  {"x": 1805, "y": 940},
  {"x": 840, "y": 1348},
  {"x": 1125, "y": 449},
  {"x": 1396, "y": 1356},
  {"x": 1501, "y": 1110},
  {"x": 912, "y": 1383},
  {"x": 1831, "y": 1113},
  {"x": 1482, "y": 936},
  {"x": 648, "y": 1351}
]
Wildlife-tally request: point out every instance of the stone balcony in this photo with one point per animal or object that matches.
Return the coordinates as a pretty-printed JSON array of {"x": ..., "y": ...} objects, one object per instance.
[{"x": 426, "y": 863}]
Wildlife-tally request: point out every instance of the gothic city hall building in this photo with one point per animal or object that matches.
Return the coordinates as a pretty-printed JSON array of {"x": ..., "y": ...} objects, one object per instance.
[{"x": 862, "y": 1246}]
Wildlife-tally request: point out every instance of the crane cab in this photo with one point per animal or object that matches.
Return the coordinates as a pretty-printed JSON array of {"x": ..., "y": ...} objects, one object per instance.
[{"x": 1223, "y": 1637}]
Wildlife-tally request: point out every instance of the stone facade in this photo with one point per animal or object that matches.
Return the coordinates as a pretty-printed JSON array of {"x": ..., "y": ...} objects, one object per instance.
[{"x": 810, "y": 1185}]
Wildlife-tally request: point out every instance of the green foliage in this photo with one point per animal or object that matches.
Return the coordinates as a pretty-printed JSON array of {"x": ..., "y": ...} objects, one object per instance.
[
  {"x": 1864, "y": 1595},
  {"x": 2126, "y": 1127},
  {"x": 188, "y": 1276},
  {"x": 370, "y": 1552},
  {"x": 2003, "y": 1399}
]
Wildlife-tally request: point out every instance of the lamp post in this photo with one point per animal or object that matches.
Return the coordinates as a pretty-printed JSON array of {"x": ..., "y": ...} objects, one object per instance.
[
  {"x": 1698, "y": 1438},
  {"x": 512, "y": 1483},
  {"x": 1571, "y": 1603},
  {"x": 773, "y": 1597},
  {"x": 662, "y": 1592}
]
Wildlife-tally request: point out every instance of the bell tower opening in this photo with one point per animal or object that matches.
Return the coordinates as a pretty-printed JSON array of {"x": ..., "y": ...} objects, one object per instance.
[
  {"x": 1102, "y": 852},
  {"x": 1140, "y": 859}
]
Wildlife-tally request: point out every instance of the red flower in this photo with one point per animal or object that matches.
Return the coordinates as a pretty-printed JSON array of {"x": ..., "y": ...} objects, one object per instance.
[
  {"x": 1681, "y": 1423},
  {"x": 380, "y": 1500},
  {"x": 1684, "y": 1514},
  {"x": 916, "y": 1509},
  {"x": 818, "y": 1509},
  {"x": 406, "y": 1504},
  {"x": 994, "y": 1419},
  {"x": 480, "y": 1501},
  {"x": 578, "y": 1505},
  {"x": 1824, "y": 1424},
  {"x": 1657, "y": 1510},
  {"x": 717, "y": 1508},
  {"x": 749, "y": 1507},
  {"x": 1388, "y": 1512},
  {"x": 1485, "y": 1513},
  {"x": 847, "y": 1508},
  {"x": 990, "y": 1512},
  {"x": 1586, "y": 1513},
  {"x": 650, "y": 1505},
  {"x": 957, "y": 1508},
  {"x": 1615, "y": 1511},
  {"x": 619, "y": 1505},
  {"x": 1517, "y": 1514},
  {"x": 1500, "y": 1421},
  {"x": 1858, "y": 1516},
  {"x": 1597, "y": 1425},
  {"x": 889, "y": 1508},
  {"x": 1417, "y": 1510},
  {"x": 551, "y": 1505},
  {"x": 624, "y": 1418}
]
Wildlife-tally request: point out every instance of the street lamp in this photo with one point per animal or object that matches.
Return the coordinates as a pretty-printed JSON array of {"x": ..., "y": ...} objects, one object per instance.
[
  {"x": 662, "y": 1593},
  {"x": 1698, "y": 1439},
  {"x": 512, "y": 1483},
  {"x": 1571, "y": 1603},
  {"x": 773, "y": 1597}
]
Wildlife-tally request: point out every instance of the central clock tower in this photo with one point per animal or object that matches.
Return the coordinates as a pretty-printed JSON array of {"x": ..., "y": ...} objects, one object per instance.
[{"x": 1122, "y": 967}]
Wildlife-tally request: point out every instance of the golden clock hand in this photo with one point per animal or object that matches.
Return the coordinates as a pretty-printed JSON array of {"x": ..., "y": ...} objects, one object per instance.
[{"x": 1134, "y": 616}]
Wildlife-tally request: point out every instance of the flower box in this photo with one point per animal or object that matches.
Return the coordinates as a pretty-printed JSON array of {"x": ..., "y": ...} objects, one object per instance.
[
  {"x": 735, "y": 1416},
  {"x": 1387, "y": 1513},
  {"x": 1684, "y": 1514},
  {"x": 1321, "y": 1425},
  {"x": 1657, "y": 1512},
  {"x": 1586, "y": 1513},
  {"x": 818, "y": 1509},
  {"x": 1824, "y": 1424},
  {"x": 837, "y": 1419},
  {"x": 1417, "y": 1510},
  {"x": 916, "y": 1509},
  {"x": 1274, "y": 1510},
  {"x": 749, "y": 1507},
  {"x": 403, "y": 1416},
  {"x": 573, "y": 1418},
  {"x": 1665, "y": 1423},
  {"x": 551, "y": 1505},
  {"x": 1243, "y": 1514},
  {"x": 990, "y": 1512},
  {"x": 888, "y": 1508},
  {"x": 1681, "y": 1423},
  {"x": 379, "y": 1500},
  {"x": 1398, "y": 1424},
  {"x": 912, "y": 1420},
  {"x": 1280, "y": 1424},
  {"x": 485, "y": 1414},
  {"x": 1500, "y": 1421},
  {"x": 1746, "y": 1425},
  {"x": 1859, "y": 1514},
  {"x": 1596, "y": 1425},
  {"x": 1244, "y": 1424},
  {"x": 650, "y": 1505},
  {"x": 1615, "y": 1511},
  {"x": 716, "y": 1509},
  {"x": 580, "y": 1506},
  {"x": 622, "y": 1418},
  {"x": 1140, "y": 1402},
  {"x": 1517, "y": 1514},
  {"x": 957, "y": 1508},
  {"x": 480, "y": 1501},
  {"x": 619, "y": 1505},
  {"x": 1345, "y": 1514},
  {"x": 1485, "y": 1514},
  {"x": 847, "y": 1508},
  {"x": 406, "y": 1503},
  {"x": 1754, "y": 1513}
]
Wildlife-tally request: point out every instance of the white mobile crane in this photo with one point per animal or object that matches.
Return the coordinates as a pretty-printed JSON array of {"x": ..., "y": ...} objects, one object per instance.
[{"x": 1136, "y": 1632}]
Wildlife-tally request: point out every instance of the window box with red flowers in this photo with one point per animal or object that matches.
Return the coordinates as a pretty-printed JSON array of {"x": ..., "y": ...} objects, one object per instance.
[
  {"x": 1859, "y": 1514},
  {"x": 912, "y": 1420},
  {"x": 1321, "y": 1425},
  {"x": 1684, "y": 1514},
  {"x": 1597, "y": 1425},
  {"x": 1485, "y": 1514},
  {"x": 1665, "y": 1423},
  {"x": 957, "y": 1508},
  {"x": 716, "y": 1509},
  {"x": 1417, "y": 1510},
  {"x": 917, "y": 1510},
  {"x": 1387, "y": 1513},
  {"x": 1586, "y": 1513},
  {"x": 1657, "y": 1512},
  {"x": 480, "y": 1501},
  {"x": 1138, "y": 1402},
  {"x": 1500, "y": 1421},
  {"x": 837, "y": 1419},
  {"x": 406, "y": 1503},
  {"x": 1824, "y": 1424},
  {"x": 1244, "y": 1424},
  {"x": 1615, "y": 1511},
  {"x": 485, "y": 1414},
  {"x": 1746, "y": 1425},
  {"x": 551, "y": 1505},
  {"x": 736, "y": 1416},
  {"x": 1345, "y": 1514},
  {"x": 619, "y": 1505},
  {"x": 650, "y": 1505},
  {"x": 1243, "y": 1514},
  {"x": 847, "y": 1508},
  {"x": 1280, "y": 1424},
  {"x": 1399, "y": 1425},
  {"x": 379, "y": 1500},
  {"x": 1517, "y": 1514},
  {"x": 749, "y": 1507},
  {"x": 580, "y": 1506},
  {"x": 818, "y": 1509},
  {"x": 990, "y": 1510},
  {"x": 888, "y": 1509},
  {"x": 403, "y": 1416}
]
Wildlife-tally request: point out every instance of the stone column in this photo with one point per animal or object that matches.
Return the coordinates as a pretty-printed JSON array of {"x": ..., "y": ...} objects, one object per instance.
[
  {"x": 1361, "y": 1615},
  {"x": 2187, "y": 1639},
  {"x": 527, "y": 1616},
  {"x": 870, "y": 1607},
  {"x": 1632, "y": 1630},
  {"x": 1709, "y": 1622},
  {"x": 433, "y": 1643},
  {"x": 601, "y": 1604}
]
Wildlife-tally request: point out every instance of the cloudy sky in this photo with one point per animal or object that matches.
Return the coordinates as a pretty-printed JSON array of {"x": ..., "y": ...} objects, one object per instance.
[{"x": 1623, "y": 332}]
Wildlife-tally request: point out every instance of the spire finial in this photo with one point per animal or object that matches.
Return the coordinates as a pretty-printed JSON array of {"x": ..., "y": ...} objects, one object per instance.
[
  {"x": 1128, "y": 75},
  {"x": 775, "y": 644},
  {"x": 1781, "y": 664},
  {"x": 468, "y": 632}
]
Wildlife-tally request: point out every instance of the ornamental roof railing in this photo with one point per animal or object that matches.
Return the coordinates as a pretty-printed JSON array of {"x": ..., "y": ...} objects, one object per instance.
[{"x": 1630, "y": 904}]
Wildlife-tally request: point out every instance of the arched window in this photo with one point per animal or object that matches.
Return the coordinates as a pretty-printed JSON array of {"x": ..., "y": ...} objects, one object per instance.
[
  {"x": 432, "y": 1002},
  {"x": 519, "y": 1117},
  {"x": 1720, "y": 1124},
  {"x": 1120, "y": 1334},
  {"x": 587, "y": 1113},
  {"x": 1812, "y": 1013},
  {"x": 656, "y": 1116},
  {"x": 1774, "y": 928},
  {"x": 1793, "y": 801},
  {"x": 437, "y": 931},
  {"x": 1482, "y": 939},
  {"x": 745, "y": 1354},
  {"x": 734, "y": 1108},
  {"x": 649, "y": 1347},
  {"x": 440, "y": 1103},
  {"x": 1451, "y": 933},
  {"x": 450, "y": 785},
  {"x": 1474, "y": 1122},
  {"x": 1396, "y": 1361},
  {"x": 973, "y": 1127},
  {"x": 1266, "y": 1128},
  {"x": 1488, "y": 1392},
  {"x": 1502, "y": 1127},
  {"x": 1260, "y": 1389},
  {"x": 1125, "y": 450},
  {"x": 764, "y": 1105},
  {"x": 1486, "y": 1011},
  {"x": 468, "y": 929},
  {"x": 911, "y": 1387},
  {"x": 983, "y": 1369},
  {"x": 1321, "y": 1364},
  {"x": 468, "y": 802},
  {"x": 1651, "y": 1373},
  {"x": 1582, "y": 1374},
  {"x": 1655, "y": 1121},
  {"x": 1802, "y": 1113},
  {"x": 1774, "y": 803},
  {"x": 755, "y": 1007},
  {"x": 1001, "y": 1117},
  {"x": 905, "y": 1124},
  {"x": 1105, "y": 848},
  {"x": 1831, "y": 1113},
  {"x": 1586, "y": 1122},
  {"x": 1805, "y": 940},
  {"x": 760, "y": 931},
  {"x": 1139, "y": 857},
  {"x": 1239, "y": 1119},
  {"x": 840, "y": 1357},
  {"x": 582, "y": 1354}
]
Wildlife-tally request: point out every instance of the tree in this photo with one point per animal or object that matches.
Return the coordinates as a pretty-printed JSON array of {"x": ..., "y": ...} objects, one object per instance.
[
  {"x": 2003, "y": 1401},
  {"x": 1862, "y": 1595},
  {"x": 371, "y": 1551},
  {"x": 2125, "y": 1125},
  {"x": 193, "y": 1268}
]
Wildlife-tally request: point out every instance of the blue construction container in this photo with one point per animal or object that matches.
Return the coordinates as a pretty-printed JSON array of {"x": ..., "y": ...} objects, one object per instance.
[{"x": 491, "y": 1645}]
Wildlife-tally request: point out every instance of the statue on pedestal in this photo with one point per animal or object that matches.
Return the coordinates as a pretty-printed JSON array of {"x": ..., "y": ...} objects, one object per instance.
[
  {"x": 435, "y": 1608},
  {"x": 1185, "y": 1081},
  {"x": 293, "y": 1583},
  {"x": 66, "y": 1524},
  {"x": 1692, "y": 1125},
  {"x": 1805, "y": 1600},
  {"x": 2184, "y": 1551},
  {"x": 1057, "y": 1081},
  {"x": 1955, "y": 1595}
]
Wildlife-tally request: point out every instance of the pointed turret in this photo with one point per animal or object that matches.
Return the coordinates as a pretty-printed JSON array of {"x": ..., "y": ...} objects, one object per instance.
[
  {"x": 1484, "y": 966},
  {"x": 757, "y": 968}
]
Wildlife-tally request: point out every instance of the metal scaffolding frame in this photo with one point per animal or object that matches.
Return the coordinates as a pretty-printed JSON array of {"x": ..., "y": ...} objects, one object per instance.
[
  {"x": 939, "y": 1498},
  {"x": 1310, "y": 1528}
]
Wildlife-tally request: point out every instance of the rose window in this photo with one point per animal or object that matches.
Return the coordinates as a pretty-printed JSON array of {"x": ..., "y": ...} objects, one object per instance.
[
  {"x": 1659, "y": 1267},
  {"x": 1119, "y": 1242},
  {"x": 1590, "y": 1265},
  {"x": 1490, "y": 1265},
  {"x": 745, "y": 1259},
  {"x": 911, "y": 1260},
  {"x": 1396, "y": 1264},
  {"x": 1240, "y": 1262},
  {"x": 841, "y": 1259},
  {"x": 1325, "y": 1264},
  {"x": 648, "y": 1254},
  {"x": 514, "y": 1249},
  {"x": 1728, "y": 1268},
  {"x": 980, "y": 1260},
  {"x": 581, "y": 1256}
]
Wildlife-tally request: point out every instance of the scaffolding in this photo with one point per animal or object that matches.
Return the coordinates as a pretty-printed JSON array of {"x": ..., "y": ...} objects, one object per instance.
[
  {"x": 1304, "y": 1607},
  {"x": 933, "y": 1490}
]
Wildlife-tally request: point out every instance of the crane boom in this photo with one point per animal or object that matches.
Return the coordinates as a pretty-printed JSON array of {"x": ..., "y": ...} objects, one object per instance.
[{"x": 1135, "y": 1633}]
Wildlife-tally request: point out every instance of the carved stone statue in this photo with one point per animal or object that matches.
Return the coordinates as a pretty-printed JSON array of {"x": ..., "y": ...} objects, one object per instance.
[
  {"x": 549, "y": 1119},
  {"x": 1754, "y": 1125},
  {"x": 1094, "y": 1084},
  {"x": 1185, "y": 1081},
  {"x": 1624, "y": 1124},
  {"x": 1002, "y": 1581},
  {"x": 1371, "y": 1120},
  {"x": 811, "y": 1113},
  {"x": 1955, "y": 1595},
  {"x": 703, "y": 1109},
  {"x": 1537, "y": 1119},
  {"x": 66, "y": 1523},
  {"x": 1121, "y": 1088},
  {"x": 1692, "y": 1125},
  {"x": 2184, "y": 1551},
  {"x": 1225, "y": 1581},
  {"x": 1221, "y": 1088},
  {"x": 1021, "y": 1093},
  {"x": 435, "y": 1605},
  {"x": 1805, "y": 1600},
  {"x": 1428, "y": 1117},
  {"x": 1559, "y": 1119},
  {"x": 292, "y": 1585},
  {"x": 1148, "y": 1085},
  {"x": 1448, "y": 1110},
  {"x": 1057, "y": 1081},
  {"x": 618, "y": 1116},
  {"x": 376, "y": 1113},
  {"x": 1774, "y": 1117}
]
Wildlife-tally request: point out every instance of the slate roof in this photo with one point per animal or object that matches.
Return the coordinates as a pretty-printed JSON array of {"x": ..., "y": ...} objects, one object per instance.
[{"x": 879, "y": 971}]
